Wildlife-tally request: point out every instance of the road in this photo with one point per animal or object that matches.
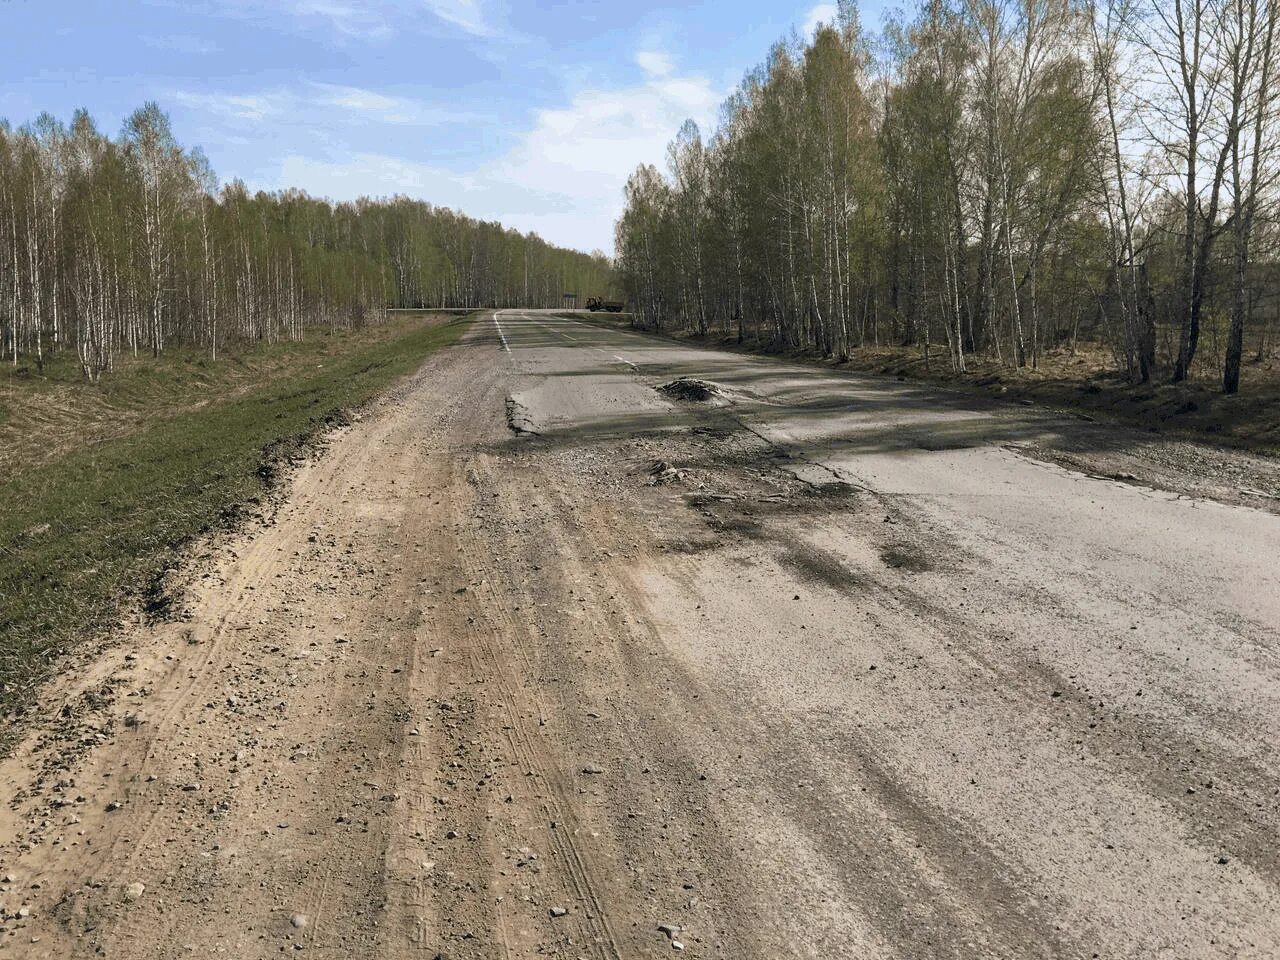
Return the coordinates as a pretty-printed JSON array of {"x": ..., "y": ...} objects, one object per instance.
[{"x": 539, "y": 660}]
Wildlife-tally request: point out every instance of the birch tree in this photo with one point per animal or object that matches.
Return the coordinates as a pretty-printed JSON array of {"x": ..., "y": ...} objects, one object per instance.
[
  {"x": 1015, "y": 172},
  {"x": 130, "y": 244}
]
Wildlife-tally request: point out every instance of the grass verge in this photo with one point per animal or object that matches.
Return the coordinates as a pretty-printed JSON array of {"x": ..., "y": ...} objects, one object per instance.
[{"x": 94, "y": 527}]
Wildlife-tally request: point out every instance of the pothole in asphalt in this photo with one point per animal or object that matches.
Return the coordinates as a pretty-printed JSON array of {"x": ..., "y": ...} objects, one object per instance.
[{"x": 690, "y": 389}]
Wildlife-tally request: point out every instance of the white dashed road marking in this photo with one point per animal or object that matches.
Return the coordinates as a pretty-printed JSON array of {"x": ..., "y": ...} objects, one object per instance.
[{"x": 502, "y": 336}]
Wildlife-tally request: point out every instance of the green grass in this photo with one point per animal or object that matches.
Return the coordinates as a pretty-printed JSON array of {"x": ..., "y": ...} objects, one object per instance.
[{"x": 91, "y": 528}]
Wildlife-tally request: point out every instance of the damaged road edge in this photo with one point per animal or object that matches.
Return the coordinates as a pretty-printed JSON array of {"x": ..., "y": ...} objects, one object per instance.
[{"x": 518, "y": 419}]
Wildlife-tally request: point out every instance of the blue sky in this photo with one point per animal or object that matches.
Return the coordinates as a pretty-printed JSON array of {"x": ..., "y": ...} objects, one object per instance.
[{"x": 532, "y": 114}]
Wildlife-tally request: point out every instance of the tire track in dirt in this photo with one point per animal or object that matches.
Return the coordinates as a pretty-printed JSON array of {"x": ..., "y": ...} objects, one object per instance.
[{"x": 497, "y": 638}]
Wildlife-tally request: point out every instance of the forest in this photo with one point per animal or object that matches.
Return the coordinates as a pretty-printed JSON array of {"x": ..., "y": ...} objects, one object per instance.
[
  {"x": 113, "y": 246},
  {"x": 996, "y": 177}
]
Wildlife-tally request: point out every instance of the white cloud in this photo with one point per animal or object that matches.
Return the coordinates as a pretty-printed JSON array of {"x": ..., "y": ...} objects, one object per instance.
[
  {"x": 353, "y": 20},
  {"x": 594, "y": 142},
  {"x": 345, "y": 19},
  {"x": 563, "y": 177},
  {"x": 465, "y": 14},
  {"x": 363, "y": 101},
  {"x": 229, "y": 106},
  {"x": 655, "y": 63},
  {"x": 181, "y": 44},
  {"x": 380, "y": 106},
  {"x": 822, "y": 13},
  {"x": 365, "y": 20},
  {"x": 318, "y": 105}
]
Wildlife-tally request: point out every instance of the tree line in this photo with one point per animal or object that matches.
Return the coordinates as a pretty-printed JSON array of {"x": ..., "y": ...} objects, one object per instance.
[
  {"x": 110, "y": 246},
  {"x": 989, "y": 176}
]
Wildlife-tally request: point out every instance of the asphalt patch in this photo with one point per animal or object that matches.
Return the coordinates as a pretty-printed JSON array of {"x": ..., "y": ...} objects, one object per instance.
[{"x": 900, "y": 557}]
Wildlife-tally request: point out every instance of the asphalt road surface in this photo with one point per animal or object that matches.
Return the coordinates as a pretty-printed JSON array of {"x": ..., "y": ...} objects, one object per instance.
[{"x": 540, "y": 659}]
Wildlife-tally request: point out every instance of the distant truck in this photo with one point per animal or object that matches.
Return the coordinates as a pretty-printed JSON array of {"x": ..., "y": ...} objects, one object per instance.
[{"x": 596, "y": 303}]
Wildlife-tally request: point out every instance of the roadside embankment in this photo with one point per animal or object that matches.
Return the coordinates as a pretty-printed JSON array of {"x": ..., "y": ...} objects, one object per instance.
[{"x": 99, "y": 483}]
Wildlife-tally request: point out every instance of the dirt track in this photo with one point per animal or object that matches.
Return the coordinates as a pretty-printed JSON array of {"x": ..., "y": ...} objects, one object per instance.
[{"x": 817, "y": 666}]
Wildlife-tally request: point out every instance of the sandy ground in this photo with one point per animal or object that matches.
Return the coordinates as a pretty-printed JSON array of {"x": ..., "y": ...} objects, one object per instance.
[{"x": 538, "y": 660}]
